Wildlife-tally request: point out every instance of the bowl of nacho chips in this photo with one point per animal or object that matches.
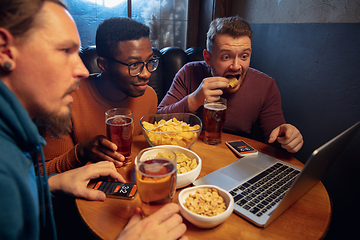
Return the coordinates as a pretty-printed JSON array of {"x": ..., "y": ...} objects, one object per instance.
[
  {"x": 180, "y": 129},
  {"x": 188, "y": 164}
]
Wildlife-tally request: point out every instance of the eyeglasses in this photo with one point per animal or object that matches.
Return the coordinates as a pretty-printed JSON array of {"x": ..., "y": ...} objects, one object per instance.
[{"x": 137, "y": 67}]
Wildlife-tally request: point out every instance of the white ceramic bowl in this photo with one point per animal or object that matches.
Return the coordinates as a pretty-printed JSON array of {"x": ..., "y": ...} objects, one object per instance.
[
  {"x": 155, "y": 138},
  {"x": 184, "y": 179},
  {"x": 204, "y": 221}
]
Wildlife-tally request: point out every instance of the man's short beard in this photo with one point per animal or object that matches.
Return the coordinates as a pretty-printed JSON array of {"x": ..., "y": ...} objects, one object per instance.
[{"x": 50, "y": 123}]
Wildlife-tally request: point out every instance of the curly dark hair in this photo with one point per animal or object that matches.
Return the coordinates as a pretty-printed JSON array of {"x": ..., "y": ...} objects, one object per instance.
[
  {"x": 117, "y": 29},
  {"x": 234, "y": 26}
]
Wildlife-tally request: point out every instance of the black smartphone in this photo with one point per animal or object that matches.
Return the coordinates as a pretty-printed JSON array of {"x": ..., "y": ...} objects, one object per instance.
[
  {"x": 117, "y": 189},
  {"x": 241, "y": 148}
]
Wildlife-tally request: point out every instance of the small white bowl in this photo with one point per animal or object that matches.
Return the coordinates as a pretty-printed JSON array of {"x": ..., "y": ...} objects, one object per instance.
[
  {"x": 204, "y": 221},
  {"x": 184, "y": 179}
]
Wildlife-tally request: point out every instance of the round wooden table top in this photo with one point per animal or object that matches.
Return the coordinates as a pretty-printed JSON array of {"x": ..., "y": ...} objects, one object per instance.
[{"x": 308, "y": 218}]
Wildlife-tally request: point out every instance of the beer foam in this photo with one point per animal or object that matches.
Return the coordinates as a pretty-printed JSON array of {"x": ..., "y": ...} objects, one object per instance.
[
  {"x": 215, "y": 106},
  {"x": 119, "y": 120},
  {"x": 155, "y": 167}
]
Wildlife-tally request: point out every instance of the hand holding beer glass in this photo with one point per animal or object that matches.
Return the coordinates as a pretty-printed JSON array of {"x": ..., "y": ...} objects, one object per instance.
[
  {"x": 214, "y": 119},
  {"x": 119, "y": 130},
  {"x": 155, "y": 178}
]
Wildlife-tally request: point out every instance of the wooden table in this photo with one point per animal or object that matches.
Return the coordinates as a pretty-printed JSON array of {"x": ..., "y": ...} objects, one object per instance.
[{"x": 308, "y": 218}]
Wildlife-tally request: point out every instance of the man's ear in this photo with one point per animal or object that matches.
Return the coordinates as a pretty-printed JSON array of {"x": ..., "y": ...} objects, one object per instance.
[
  {"x": 206, "y": 55},
  {"x": 102, "y": 64},
  {"x": 7, "y": 49}
]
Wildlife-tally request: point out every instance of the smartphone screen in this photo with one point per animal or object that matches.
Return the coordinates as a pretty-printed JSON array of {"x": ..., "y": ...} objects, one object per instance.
[
  {"x": 241, "y": 148},
  {"x": 117, "y": 189}
]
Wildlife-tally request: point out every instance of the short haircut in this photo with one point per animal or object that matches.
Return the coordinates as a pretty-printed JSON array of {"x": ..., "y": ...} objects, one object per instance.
[
  {"x": 18, "y": 16},
  {"x": 114, "y": 30},
  {"x": 234, "y": 26}
]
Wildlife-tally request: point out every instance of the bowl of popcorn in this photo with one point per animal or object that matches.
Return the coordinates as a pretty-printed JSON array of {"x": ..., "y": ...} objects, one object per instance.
[
  {"x": 188, "y": 164},
  {"x": 180, "y": 129},
  {"x": 205, "y": 206}
]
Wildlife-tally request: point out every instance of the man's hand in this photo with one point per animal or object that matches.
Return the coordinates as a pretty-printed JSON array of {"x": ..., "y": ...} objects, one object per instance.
[
  {"x": 288, "y": 136},
  {"x": 74, "y": 182},
  {"x": 98, "y": 149},
  {"x": 210, "y": 89},
  {"x": 164, "y": 224}
]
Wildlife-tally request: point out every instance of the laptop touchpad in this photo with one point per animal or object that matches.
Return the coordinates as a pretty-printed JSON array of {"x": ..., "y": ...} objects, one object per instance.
[{"x": 240, "y": 171}]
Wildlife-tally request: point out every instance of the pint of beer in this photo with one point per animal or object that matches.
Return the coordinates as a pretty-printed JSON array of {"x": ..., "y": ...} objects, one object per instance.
[
  {"x": 119, "y": 130},
  {"x": 214, "y": 119},
  {"x": 155, "y": 178}
]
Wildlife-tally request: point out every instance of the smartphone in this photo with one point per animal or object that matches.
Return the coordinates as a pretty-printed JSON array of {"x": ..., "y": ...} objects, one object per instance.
[
  {"x": 117, "y": 189},
  {"x": 241, "y": 148}
]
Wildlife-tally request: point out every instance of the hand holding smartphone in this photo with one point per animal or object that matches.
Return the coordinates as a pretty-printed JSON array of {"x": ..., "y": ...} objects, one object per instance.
[
  {"x": 241, "y": 148},
  {"x": 117, "y": 189}
]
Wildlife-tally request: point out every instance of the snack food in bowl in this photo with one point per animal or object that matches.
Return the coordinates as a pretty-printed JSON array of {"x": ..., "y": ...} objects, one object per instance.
[
  {"x": 181, "y": 129},
  {"x": 205, "y": 206},
  {"x": 184, "y": 156}
]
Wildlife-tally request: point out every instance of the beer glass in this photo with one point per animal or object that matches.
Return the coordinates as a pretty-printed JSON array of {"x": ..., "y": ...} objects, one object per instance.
[
  {"x": 155, "y": 178},
  {"x": 119, "y": 130},
  {"x": 214, "y": 119}
]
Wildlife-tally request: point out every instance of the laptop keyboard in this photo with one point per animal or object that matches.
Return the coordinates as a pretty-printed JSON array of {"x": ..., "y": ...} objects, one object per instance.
[{"x": 259, "y": 194}]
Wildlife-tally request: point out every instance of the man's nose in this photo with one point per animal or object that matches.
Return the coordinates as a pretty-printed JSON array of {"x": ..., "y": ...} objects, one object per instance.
[
  {"x": 80, "y": 71},
  {"x": 236, "y": 64},
  {"x": 145, "y": 73}
]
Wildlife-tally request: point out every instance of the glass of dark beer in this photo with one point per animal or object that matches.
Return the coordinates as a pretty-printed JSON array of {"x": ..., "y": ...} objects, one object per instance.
[
  {"x": 119, "y": 130},
  {"x": 214, "y": 119}
]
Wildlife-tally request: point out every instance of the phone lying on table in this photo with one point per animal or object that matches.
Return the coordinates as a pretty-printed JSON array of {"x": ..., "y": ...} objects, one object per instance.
[
  {"x": 241, "y": 148},
  {"x": 117, "y": 189}
]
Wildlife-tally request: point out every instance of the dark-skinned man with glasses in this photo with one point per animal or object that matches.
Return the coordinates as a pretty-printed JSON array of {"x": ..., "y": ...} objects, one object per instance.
[{"x": 126, "y": 62}]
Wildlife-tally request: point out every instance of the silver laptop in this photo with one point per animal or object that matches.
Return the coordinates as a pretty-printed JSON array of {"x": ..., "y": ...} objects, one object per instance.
[{"x": 263, "y": 187}]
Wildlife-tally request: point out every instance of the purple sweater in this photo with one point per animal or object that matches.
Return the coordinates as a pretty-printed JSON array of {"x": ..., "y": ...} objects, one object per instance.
[{"x": 256, "y": 104}]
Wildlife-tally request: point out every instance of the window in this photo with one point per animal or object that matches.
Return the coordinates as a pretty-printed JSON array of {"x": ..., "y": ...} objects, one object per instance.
[{"x": 167, "y": 19}]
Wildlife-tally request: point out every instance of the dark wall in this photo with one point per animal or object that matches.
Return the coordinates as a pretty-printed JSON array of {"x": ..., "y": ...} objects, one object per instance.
[{"x": 317, "y": 70}]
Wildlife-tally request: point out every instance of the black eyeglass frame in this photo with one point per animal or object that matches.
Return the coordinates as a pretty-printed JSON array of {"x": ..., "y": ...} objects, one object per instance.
[{"x": 142, "y": 67}]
